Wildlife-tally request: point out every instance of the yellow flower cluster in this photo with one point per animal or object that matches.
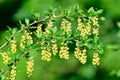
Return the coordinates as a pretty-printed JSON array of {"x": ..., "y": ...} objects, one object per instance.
[
  {"x": 54, "y": 47},
  {"x": 49, "y": 26},
  {"x": 25, "y": 37},
  {"x": 81, "y": 55},
  {"x": 80, "y": 24},
  {"x": 84, "y": 29},
  {"x": 64, "y": 51},
  {"x": 30, "y": 64},
  {"x": 96, "y": 31},
  {"x": 96, "y": 26},
  {"x": 13, "y": 46},
  {"x": 22, "y": 42},
  {"x": 46, "y": 55},
  {"x": 5, "y": 57},
  {"x": 95, "y": 21},
  {"x": 66, "y": 26},
  {"x": 13, "y": 73},
  {"x": 28, "y": 37},
  {"x": 39, "y": 29},
  {"x": 45, "y": 52},
  {"x": 96, "y": 59}
]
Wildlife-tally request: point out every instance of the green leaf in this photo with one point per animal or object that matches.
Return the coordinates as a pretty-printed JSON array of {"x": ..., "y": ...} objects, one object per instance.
[
  {"x": 27, "y": 21},
  {"x": 71, "y": 18},
  {"x": 21, "y": 25},
  {"x": 89, "y": 40},
  {"x": 96, "y": 40},
  {"x": 91, "y": 11},
  {"x": 99, "y": 11},
  {"x": 54, "y": 30},
  {"x": 76, "y": 8},
  {"x": 81, "y": 45},
  {"x": 100, "y": 51},
  {"x": 99, "y": 46},
  {"x": 33, "y": 46},
  {"x": 89, "y": 46},
  {"x": 28, "y": 43},
  {"x": 14, "y": 30},
  {"x": 10, "y": 29},
  {"x": 37, "y": 15},
  {"x": 80, "y": 12},
  {"x": 102, "y": 18}
]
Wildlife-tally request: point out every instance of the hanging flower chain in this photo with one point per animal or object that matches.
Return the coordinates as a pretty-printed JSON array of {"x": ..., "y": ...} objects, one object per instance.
[{"x": 49, "y": 39}]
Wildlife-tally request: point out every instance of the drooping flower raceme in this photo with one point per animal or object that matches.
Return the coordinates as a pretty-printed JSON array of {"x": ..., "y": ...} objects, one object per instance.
[
  {"x": 95, "y": 26},
  {"x": 66, "y": 26},
  {"x": 48, "y": 27},
  {"x": 30, "y": 64},
  {"x": 64, "y": 51},
  {"x": 54, "y": 47},
  {"x": 39, "y": 29},
  {"x": 84, "y": 29},
  {"x": 80, "y": 55},
  {"x": 26, "y": 38},
  {"x": 45, "y": 52},
  {"x": 96, "y": 59},
  {"x": 13, "y": 72},
  {"x": 5, "y": 57},
  {"x": 13, "y": 46}
]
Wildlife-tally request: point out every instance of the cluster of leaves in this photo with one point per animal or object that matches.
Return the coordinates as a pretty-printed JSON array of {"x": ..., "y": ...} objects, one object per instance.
[{"x": 42, "y": 34}]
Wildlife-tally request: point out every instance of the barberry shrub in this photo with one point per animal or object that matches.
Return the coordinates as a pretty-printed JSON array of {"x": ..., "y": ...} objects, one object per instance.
[{"x": 46, "y": 36}]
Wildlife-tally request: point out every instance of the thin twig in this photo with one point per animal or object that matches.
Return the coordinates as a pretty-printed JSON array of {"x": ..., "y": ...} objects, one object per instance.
[
  {"x": 35, "y": 22},
  {"x": 3, "y": 45}
]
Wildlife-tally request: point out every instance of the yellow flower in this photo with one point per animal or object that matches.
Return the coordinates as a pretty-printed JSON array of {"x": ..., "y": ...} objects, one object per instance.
[
  {"x": 96, "y": 59},
  {"x": 83, "y": 32},
  {"x": 95, "y": 21},
  {"x": 64, "y": 51},
  {"x": 22, "y": 42},
  {"x": 96, "y": 31},
  {"x": 81, "y": 55},
  {"x": 54, "y": 47},
  {"x": 28, "y": 37},
  {"x": 13, "y": 46},
  {"x": 5, "y": 58},
  {"x": 88, "y": 28},
  {"x": 80, "y": 24},
  {"x": 13, "y": 73},
  {"x": 66, "y": 26},
  {"x": 49, "y": 26},
  {"x": 39, "y": 29},
  {"x": 24, "y": 38},
  {"x": 30, "y": 64},
  {"x": 46, "y": 55},
  {"x": 84, "y": 29}
]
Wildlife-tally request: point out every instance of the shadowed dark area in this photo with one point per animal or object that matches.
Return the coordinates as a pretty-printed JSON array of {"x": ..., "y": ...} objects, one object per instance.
[{"x": 7, "y": 9}]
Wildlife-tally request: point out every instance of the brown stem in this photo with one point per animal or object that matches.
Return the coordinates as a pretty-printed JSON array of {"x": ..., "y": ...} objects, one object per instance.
[
  {"x": 3, "y": 45},
  {"x": 35, "y": 22},
  {"x": 5, "y": 73}
]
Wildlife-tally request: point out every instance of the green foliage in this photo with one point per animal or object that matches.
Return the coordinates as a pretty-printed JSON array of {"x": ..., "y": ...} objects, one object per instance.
[{"x": 43, "y": 36}]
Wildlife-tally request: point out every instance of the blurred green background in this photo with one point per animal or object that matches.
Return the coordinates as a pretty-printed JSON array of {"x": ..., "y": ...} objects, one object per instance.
[{"x": 11, "y": 11}]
